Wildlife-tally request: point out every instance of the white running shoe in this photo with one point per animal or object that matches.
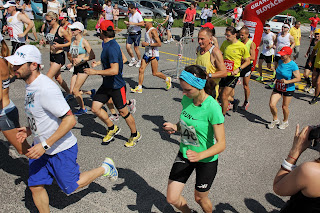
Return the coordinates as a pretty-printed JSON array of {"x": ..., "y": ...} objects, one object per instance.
[
  {"x": 138, "y": 64},
  {"x": 132, "y": 62},
  {"x": 283, "y": 125},
  {"x": 273, "y": 124},
  {"x": 166, "y": 42},
  {"x": 311, "y": 91}
]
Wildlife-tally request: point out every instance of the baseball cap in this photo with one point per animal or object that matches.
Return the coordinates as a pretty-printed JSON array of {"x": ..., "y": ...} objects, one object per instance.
[
  {"x": 285, "y": 51},
  {"x": 286, "y": 26},
  {"x": 25, "y": 54},
  {"x": 77, "y": 25},
  {"x": 105, "y": 24},
  {"x": 9, "y": 4},
  {"x": 63, "y": 15},
  {"x": 209, "y": 25}
]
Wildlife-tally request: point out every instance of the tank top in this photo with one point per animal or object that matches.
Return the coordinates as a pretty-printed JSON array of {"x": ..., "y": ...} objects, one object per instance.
[
  {"x": 267, "y": 40},
  {"x": 15, "y": 27},
  {"x": 282, "y": 42},
  {"x": 151, "y": 51},
  {"x": 301, "y": 203},
  {"x": 76, "y": 50},
  {"x": 55, "y": 38},
  {"x": 248, "y": 45},
  {"x": 28, "y": 12}
]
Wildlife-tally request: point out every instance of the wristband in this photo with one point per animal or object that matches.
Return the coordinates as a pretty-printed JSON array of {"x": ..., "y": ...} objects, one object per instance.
[
  {"x": 45, "y": 145},
  {"x": 288, "y": 166},
  {"x": 178, "y": 127}
]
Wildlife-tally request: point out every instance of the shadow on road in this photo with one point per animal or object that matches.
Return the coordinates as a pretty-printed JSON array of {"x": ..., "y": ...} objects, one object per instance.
[
  {"x": 303, "y": 96},
  {"x": 255, "y": 206},
  {"x": 147, "y": 196},
  {"x": 252, "y": 117}
]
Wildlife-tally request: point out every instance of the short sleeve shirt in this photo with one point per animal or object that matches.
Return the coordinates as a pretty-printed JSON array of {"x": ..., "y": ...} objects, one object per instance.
[
  {"x": 201, "y": 119},
  {"x": 54, "y": 7},
  {"x": 135, "y": 18},
  {"x": 317, "y": 61},
  {"x": 111, "y": 53},
  {"x": 296, "y": 34},
  {"x": 285, "y": 71},
  {"x": 189, "y": 15},
  {"x": 80, "y": 3},
  {"x": 44, "y": 105},
  {"x": 169, "y": 13},
  {"x": 314, "y": 21}
]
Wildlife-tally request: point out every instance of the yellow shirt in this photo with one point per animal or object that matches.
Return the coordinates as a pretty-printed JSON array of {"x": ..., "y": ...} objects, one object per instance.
[
  {"x": 233, "y": 54},
  {"x": 296, "y": 34},
  {"x": 317, "y": 61}
]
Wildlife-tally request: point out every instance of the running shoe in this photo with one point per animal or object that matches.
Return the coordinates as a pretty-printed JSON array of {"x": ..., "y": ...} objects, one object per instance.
[
  {"x": 230, "y": 106},
  {"x": 260, "y": 78},
  {"x": 235, "y": 105},
  {"x": 168, "y": 83},
  {"x": 113, "y": 117},
  {"x": 81, "y": 111},
  {"x": 136, "y": 90},
  {"x": 166, "y": 42},
  {"x": 132, "y": 62},
  {"x": 68, "y": 97},
  {"x": 171, "y": 40},
  {"x": 283, "y": 125},
  {"x": 71, "y": 69},
  {"x": 132, "y": 107},
  {"x": 93, "y": 92},
  {"x": 307, "y": 88},
  {"x": 313, "y": 101},
  {"x": 245, "y": 105},
  {"x": 274, "y": 75},
  {"x": 63, "y": 68},
  {"x": 271, "y": 85},
  {"x": 110, "y": 134},
  {"x": 138, "y": 64},
  {"x": 311, "y": 91},
  {"x": 113, "y": 172},
  {"x": 133, "y": 140},
  {"x": 273, "y": 124}
]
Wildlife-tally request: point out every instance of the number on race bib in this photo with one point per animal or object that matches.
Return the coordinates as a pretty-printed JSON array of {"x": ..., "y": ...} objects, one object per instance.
[
  {"x": 229, "y": 65},
  {"x": 32, "y": 124},
  {"x": 282, "y": 87},
  {"x": 189, "y": 135}
]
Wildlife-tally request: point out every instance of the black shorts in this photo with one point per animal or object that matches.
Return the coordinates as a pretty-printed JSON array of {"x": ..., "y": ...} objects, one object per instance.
[
  {"x": 312, "y": 64},
  {"x": 229, "y": 81},
  {"x": 15, "y": 46},
  {"x": 118, "y": 96},
  {"x": 317, "y": 70},
  {"x": 288, "y": 93},
  {"x": 182, "y": 168},
  {"x": 80, "y": 68},
  {"x": 59, "y": 58},
  {"x": 169, "y": 26},
  {"x": 267, "y": 59},
  {"x": 246, "y": 71},
  {"x": 277, "y": 58}
]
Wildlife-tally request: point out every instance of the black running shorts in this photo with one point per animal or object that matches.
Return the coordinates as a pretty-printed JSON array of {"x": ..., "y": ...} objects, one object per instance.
[{"x": 118, "y": 96}]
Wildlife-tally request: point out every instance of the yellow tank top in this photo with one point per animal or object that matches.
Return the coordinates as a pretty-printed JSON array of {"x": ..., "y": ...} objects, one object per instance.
[{"x": 205, "y": 61}]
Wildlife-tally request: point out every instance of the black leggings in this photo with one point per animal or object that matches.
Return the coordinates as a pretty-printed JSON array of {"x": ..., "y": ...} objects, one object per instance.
[{"x": 185, "y": 26}]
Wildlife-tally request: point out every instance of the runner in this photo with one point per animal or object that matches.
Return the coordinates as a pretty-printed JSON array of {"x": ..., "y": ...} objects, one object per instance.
[
  {"x": 286, "y": 75},
  {"x": 9, "y": 116},
  {"x": 310, "y": 64},
  {"x": 296, "y": 34},
  {"x": 233, "y": 52},
  {"x": 56, "y": 38},
  {"x": 134, "y": 29},
  {"x": 54, "y": 151},
  {"x": 214, "y": 39},
  {"x": 151, "y": 44},
  {"x": 316, "y": 71},
  {"x": 27, "y": 10},
  {"x": 202, "y": 138},
  {"x": 314, "y": 22},
  {"x": 188, "y": 20},
  {"x": 15, "y": 22},
  {"x": 267, "y": 43},
  {"x": 63, "y": 20},
  {"x": 113, "y": 86},
  {"x": 246, "y": 72},
  {"x": 81, "y": 53},
  {"x": 169, "y": 19},
  {"x": 210, "y": 57}
]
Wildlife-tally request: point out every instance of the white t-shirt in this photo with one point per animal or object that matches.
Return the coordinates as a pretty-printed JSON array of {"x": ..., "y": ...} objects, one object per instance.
[
  {"x": 136, "y": 18},
  {"x": 44, "y": 105},
  {"x": 204, "y": 13},
  {"x": 282, "y": 41},
  {"x": 54, "y": 7},
  {"x": 267, "y": 40}
]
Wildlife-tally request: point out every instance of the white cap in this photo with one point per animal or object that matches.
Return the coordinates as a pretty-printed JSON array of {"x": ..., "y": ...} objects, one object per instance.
[
  {"x": 25, "y": 54},
  {"x": 9, "y": 4},
  {"x": 286, "y": 26},
  {"x": 77, "y": 25}
]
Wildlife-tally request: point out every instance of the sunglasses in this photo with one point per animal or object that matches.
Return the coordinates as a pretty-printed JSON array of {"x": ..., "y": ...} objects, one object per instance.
[
  {"x": 74, "y": 29},
  {"x": 48, "y": 21}
]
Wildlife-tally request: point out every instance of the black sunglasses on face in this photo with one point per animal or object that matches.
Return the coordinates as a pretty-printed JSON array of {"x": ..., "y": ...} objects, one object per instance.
[
  {"x": 74, "y": 29},
  {"x": 48, "y": 21}
]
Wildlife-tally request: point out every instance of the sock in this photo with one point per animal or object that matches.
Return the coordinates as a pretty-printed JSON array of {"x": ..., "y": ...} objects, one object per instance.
[
  {"x": 140, "y": 86},
  {"x": 308, "y": 81},
  {"x": 111, "y": 128},
  {"x": 106, "y": 168},
  {"x": 129, "y": 102},
  {"x": 134, "y": 134}
]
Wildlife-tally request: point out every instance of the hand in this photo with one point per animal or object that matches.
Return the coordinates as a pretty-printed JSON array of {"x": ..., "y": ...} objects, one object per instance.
[
  {"x": 5, "y": 28},
  {"x": 169, "y": 127},
  {"x": 55, "y": 45},
  {"x": 36, "y": 151},
  {"x": 235, "y": 72},
  {"x": 69, "y": 66},
  {"x": 306, "y": 55},
  {"x": 284, "y": 81},
  {"x": 193, "y": 156},
  {"x": 300, "y": 141},
  {"x": 90, "y": 71},
  {"x": 22, "y": 134},
  {"x": 21, "y": 35},
  {"x": 310, "y": 64},
  {"x": 126, "y": 22},
  {"x": 144, "y": 44}
]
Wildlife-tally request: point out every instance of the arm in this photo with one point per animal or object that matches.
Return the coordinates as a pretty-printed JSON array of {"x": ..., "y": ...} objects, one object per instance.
[
  {"x": 221, "y": 70},
  {"x": 243, "y": 65},
  {"x": 124, "y": 58},
  {"x": 141, "y": 23},
  {"x": 89, "y": 50},
  {"x": 27, "y": 21},
  {"x": 113, "y": 70},
  {"x": 184, "y": 17},
  {"x": 296, "y": 78},
  {"x": 167, "y": 18},
  {"x": 194, "y": 18},
  {"x": 253, "y": 51},
  {"x": 217, "y": 148},
  {"x": 292, "y": 43},
  {"x": 155, "y": 36}
]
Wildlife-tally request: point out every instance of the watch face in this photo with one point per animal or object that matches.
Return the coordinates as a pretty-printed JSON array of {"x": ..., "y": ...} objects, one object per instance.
[{"x": 46, "y": 147}]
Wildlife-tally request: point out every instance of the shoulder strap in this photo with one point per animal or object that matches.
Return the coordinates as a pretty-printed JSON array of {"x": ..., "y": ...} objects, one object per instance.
[
  {"x": 211, "y": 49},
  {"x": 80, "y": 43}
]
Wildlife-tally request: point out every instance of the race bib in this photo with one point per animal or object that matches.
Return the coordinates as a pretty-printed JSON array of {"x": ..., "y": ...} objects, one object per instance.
[
  {"x": 188, "y": 135},
  {"x": 10, "y": 32},
  {"x": 74, "y": 51},
  {"x": 32, "y": 123},
  {"x": 282, "y": 87},
  {"x": 229, "y": 64},
  {"x": 50, "y": 38}
]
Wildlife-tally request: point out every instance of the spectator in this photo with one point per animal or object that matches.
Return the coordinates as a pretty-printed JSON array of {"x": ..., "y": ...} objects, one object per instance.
[
  {"x": 314, "y": 22},
  {"x": 296, "y": 34},
  {"x": 115, "y": 13},
  {"x": 109, "y": 9},
  {"x": 72, "y": 12},
  {"x": 215, "y": 8},
  {"x": 1, "y": 14},
  {"x": 188, "y": 19},
  {"x": 240, "y": 11},
  {"x": 210, "y": 14},
  {"x": 54, "y": 6},
  {"x": 204, "y": 14},
  {"x": 82, "y": 12},
  {"x": 234, "y": 16},
  {"x": 102, "y": 15},
  {"x": 28, "y": 11},
  {"x": 169, "y": 19},
  {"x": 300, "y": 182}
]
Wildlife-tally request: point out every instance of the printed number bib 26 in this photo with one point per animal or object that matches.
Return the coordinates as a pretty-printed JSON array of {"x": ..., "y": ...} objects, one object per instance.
[
  {"x": 229, "y": 64},
  {"x": 282, "y": 87},
  {"x": 188, "y": 135}
]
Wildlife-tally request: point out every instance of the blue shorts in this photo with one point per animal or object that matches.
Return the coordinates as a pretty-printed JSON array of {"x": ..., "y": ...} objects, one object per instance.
[
  {"x": 62, "y": 166},
  {"x": 148, "y": 59},
  {"x": 134, "y": 38},
  {"x": 313, "y": 28}
]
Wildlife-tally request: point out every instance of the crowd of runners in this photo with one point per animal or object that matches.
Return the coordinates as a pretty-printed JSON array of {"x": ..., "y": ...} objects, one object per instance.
[{"x": 208, "y": 93}]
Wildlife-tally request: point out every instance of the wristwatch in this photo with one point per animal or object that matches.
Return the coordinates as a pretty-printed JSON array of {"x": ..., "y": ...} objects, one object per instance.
[
  {"x": 210, "y": 75},
  {"x": 45, "y": 145},
  {"x": 149, "y": 45},
  {"x": 240, "y": 69}
]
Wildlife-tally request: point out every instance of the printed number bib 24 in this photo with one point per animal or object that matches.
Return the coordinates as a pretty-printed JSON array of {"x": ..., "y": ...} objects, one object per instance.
[{"x": 188, "y": 135}]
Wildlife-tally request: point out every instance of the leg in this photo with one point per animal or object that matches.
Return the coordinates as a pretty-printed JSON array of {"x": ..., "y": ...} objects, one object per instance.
[
  {"x": 73, "y": 82},
  {"x": 101, "y": 113},
  {"x": 315, "y": 76},
  {"x": 129, "y": 120},
  {"x": 203, "y": 200},
  {"x": 111, "y": 107},
  {"x": 34, "y": 33},
  {"x": 89, "y": 176},
  {"x": 27, "y": 38},
  {"x": 174, "y": 196},
  {"x": 11, "y": 137},
  {"x": 184, "y": 29},
  {"x": 40, "y": 198},
  {"x": 275, "y": 97},
  {"x": 81, "y": 78},
  {"x": 246, "y": 88},
  {"x": 142, "y": 68},
  {"x": 317, "y": 92},
  {"x": 129, "y": 50},
  {"x": 285, "y": 107},
  {"x": 260, "y": 66},
  {"x": 154, "y": 67},
  {"x": 226, "y": 92},
  {"x": 62, "y": 83},
  {"x": 169, "y": 34},
  {"x": 137, "y": 50}
]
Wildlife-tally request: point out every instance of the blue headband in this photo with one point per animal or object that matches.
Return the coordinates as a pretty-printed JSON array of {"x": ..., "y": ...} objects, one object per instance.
[{"x": 194, "y": 81}]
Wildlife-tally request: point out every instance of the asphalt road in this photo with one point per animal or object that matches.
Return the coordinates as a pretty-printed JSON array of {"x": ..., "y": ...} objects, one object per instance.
[{"x": 246, "y": 168}]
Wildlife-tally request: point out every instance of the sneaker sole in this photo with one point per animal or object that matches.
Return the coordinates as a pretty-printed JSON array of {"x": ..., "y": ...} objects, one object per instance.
[
  {"x": 112, "y": 136},
  {"x": 134, "y": 144}
]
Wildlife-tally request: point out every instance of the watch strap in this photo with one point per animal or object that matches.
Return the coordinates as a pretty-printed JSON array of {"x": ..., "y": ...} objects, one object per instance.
[{"x": 45, "y": 145}]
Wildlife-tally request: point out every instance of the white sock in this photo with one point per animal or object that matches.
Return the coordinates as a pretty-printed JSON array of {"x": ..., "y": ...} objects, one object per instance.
[
  {"x": 106, "y": 168},
  {"x": 140, "y": 86},
  {"x": 133, "y": 59}
]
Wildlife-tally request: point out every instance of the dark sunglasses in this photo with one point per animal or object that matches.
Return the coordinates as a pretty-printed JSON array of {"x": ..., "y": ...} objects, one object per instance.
[
  {"x": 48, "y": 21},
  {"x": 74, "y": 29}
]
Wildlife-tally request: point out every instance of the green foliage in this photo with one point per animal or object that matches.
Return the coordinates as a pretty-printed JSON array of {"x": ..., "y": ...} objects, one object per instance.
[{"x": 301, "y": 15}]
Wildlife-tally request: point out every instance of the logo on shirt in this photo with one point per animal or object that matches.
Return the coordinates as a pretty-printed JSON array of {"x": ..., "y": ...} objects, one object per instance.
[
  {"x": 187, "y": 115},
  {"x": 29, "y": 100}
]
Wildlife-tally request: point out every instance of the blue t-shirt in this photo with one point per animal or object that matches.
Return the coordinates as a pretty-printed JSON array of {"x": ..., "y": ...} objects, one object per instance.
[
  {"x": 285, "y": 71},
  {"x": 111, "y": 53}
]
